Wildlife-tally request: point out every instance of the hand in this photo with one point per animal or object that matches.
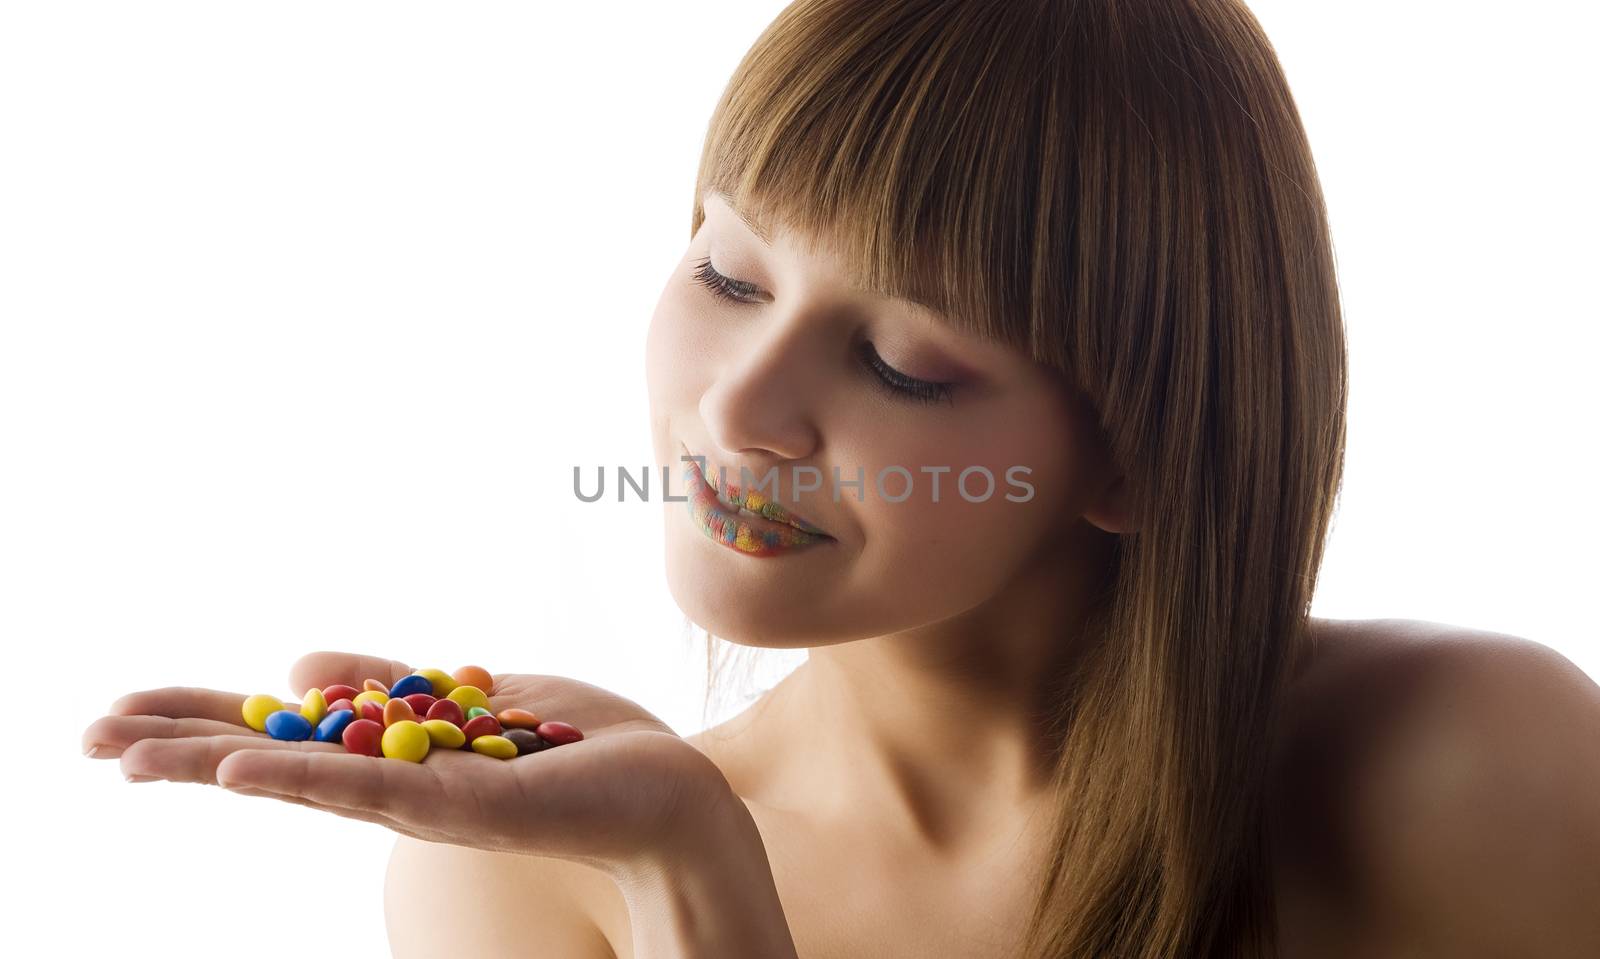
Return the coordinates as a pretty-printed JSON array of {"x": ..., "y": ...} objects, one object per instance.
[{"x": 623, "y": 795}]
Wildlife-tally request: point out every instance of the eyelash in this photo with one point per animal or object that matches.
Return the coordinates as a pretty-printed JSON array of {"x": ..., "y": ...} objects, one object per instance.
[{"x": 896, "y": 382}]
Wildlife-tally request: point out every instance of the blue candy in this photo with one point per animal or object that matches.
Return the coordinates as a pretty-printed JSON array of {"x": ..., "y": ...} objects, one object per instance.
[
  {"x": 411, "y": 684},
  {"x": 285, "y": 724},
  {"x": 331, "y": 729}
]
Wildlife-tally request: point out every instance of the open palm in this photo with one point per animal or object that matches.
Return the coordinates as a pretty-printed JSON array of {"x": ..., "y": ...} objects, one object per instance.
[{"x": 621, "y": 792}]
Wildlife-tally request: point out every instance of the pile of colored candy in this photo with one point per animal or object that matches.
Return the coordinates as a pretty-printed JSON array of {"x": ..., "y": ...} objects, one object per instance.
[{"x": 429, "y": 709}]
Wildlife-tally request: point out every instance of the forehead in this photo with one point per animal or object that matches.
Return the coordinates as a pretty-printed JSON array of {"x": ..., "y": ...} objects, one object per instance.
[
  {"x": 751, "y": 221},
  {"x": 773, "y": 235}
]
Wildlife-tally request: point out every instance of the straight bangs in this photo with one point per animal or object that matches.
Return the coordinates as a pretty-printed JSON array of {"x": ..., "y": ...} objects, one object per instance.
[{"x": 905, "y": 139}]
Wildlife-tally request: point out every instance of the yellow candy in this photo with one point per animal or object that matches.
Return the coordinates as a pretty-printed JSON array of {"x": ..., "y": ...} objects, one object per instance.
[
  {"x": 257, "y": 708},
  {"x": 497, "y": 746},
  {"x": 406, "y": 740},
  {"x": 442, "y": 683},
  {"x": 444, "y": 733},
  {"x": 369, "y": 696},
  {"x": 468, "y": 696},
  {"x": 315, "y": 706}
]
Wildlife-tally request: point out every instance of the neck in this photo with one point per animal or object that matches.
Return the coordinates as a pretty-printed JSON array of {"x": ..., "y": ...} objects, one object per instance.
[{"x": 940, "y": 732}]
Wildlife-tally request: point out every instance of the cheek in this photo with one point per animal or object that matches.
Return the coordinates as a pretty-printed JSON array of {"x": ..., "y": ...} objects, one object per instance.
[
  {"x": 664, "y": 345},
  {"x": 682, "y": 344},
  {"x": 962, "y": 549},
  {"x": 675, "y": 360}
]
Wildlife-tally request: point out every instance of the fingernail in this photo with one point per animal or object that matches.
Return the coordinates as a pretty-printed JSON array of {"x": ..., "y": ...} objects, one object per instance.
[
  {"x": 140, "y": 779},
  {"x": 92, "y": 751}
]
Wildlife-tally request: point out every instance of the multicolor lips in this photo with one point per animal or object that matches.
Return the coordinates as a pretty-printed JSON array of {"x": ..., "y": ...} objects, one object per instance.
[{"x": 771, "y": 532}]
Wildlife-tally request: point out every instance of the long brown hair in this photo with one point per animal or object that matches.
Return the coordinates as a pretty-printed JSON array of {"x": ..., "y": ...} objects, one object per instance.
[{"x": 1123, "y": 190}]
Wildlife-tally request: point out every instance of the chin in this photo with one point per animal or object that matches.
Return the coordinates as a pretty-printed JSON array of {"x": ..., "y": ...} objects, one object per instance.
[{"x": 749, "y": 610}]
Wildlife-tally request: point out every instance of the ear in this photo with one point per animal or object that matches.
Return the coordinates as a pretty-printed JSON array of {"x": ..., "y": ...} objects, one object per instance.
[{"x": 1112, "y": 510}]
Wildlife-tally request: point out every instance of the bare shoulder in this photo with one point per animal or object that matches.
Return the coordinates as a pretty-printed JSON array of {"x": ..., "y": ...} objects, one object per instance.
[
  {"x": 512, "y": 905},
  {"x": 1437, "y": 791},
  {"x": 501, "y": 904}
]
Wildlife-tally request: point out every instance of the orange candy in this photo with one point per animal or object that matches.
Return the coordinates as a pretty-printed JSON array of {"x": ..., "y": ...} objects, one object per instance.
[
  {"x": 517, "y": 719},
  {"x": 396, "y": 710},
  {"x": 375, "y": 685},
  {"x": 474, "y": 676}
]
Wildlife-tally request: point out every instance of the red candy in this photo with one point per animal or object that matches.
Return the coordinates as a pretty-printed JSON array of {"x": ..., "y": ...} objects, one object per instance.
[
  {"x": 558, "y": 733},
  {"x": 420, "y": 703},
  {"x": 339, "y": 691},
  {"x": 341, "y": 703},
  {"x": 364, "y": 736},
  {"x": 370, "y": 710},
  {"x": 481, "y": 726},
  {"x": 448, "y": 710}
]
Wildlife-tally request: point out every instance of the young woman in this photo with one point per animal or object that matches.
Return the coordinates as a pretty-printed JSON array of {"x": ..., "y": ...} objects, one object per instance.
[{"x": 1086, "y": 714}]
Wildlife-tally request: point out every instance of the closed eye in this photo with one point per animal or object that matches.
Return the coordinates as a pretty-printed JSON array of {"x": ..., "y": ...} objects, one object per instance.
[
  {"x": 895, "y": 382},
  {"x": 723, "y": 286}
]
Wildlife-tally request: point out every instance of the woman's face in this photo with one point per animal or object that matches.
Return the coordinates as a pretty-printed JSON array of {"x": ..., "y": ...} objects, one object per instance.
[{"x": 796, "y": 368}]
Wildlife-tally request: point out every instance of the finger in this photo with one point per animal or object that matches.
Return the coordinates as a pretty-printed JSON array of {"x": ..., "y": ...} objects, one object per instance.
[
  {"x": 361, "y": 814},
  {"x": 325, "y": 668},
  {"x": 186, "y": 701},
  {"x": 194, "y": 759},
  {"x": 108, "y": 736},
  {"x": 197, "y": 760},
  {"x": 365, "y": 815},
  {"x": 434, "y": 797}
]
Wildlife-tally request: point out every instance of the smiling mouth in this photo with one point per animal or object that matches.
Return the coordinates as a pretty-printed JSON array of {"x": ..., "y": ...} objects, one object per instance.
[{"x": 752, "y": 503}]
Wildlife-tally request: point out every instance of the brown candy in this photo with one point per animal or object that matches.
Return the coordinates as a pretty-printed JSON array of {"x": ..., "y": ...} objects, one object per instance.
[{"x": 526, "y": 740}]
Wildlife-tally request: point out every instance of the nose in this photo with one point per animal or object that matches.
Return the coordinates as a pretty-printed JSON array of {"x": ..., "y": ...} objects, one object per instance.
[{"x": 762, "y": 398}]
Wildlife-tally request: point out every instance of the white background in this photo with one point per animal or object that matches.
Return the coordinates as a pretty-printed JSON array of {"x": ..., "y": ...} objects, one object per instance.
[{"x": 309, "y": 309}]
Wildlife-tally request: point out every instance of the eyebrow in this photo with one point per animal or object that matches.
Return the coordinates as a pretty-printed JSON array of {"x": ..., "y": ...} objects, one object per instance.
[{"x": 754, "y": 225}]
